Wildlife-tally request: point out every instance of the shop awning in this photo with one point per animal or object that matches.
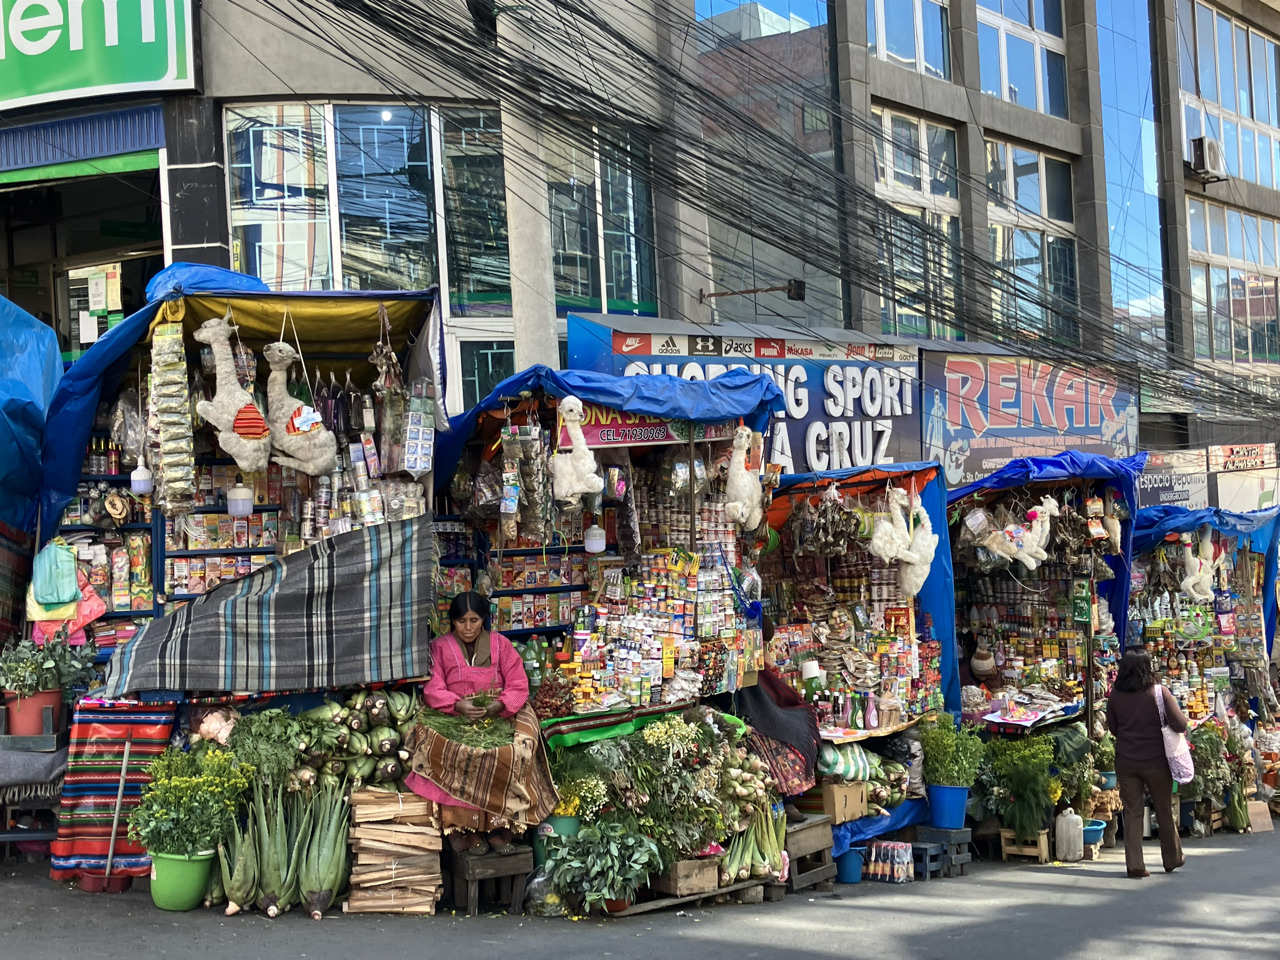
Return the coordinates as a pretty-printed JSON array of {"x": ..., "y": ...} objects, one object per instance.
[
  {"x": 32, "y": 369},
  {"x": 337, "y": 329},
  {"x": 937, "y": 596},
  {"x": 735, "y": 394}
]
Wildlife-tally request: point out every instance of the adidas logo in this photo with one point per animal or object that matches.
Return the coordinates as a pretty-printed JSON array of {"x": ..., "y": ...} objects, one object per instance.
[{"x": 669, "y": 346}]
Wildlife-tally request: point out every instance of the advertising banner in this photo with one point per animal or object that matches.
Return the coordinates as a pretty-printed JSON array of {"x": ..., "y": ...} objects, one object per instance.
[
  {"x": 980, "y": 412},
  {"x": 848, "y": 404},
  {"x": 1241, "y": 456},
  {"x": 1177, "y": 477},
  {"x": 604, "y": 427}
]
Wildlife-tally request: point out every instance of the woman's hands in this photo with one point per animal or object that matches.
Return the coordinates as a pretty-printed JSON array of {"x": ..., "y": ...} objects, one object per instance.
[
  {"x": 494, "y": 708},
  {"x": 466, "y": 708}
]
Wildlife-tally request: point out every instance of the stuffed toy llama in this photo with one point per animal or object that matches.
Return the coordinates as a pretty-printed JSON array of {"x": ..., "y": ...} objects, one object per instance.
[
  {"x": 297, "y": 432},
  {"x": 242, "y": 432},
  {"x": 890, "y": 539},
  {"x": 574, "y": 473},
  {"x": 924, "y": 544},
  {"x": 1193, "y": 568},
  {"x": 745, "y": 495}
]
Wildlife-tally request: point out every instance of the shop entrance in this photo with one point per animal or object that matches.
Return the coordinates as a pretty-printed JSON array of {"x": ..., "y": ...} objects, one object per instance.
[{"x": 78, "y": 253}]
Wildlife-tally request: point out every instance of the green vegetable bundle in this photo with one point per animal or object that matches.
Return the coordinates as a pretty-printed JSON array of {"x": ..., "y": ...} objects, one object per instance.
[{"x": 486, "y": 734}]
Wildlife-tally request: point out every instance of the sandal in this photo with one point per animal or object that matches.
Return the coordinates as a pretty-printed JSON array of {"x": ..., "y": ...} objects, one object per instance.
[{"x": 478, "y": 846}]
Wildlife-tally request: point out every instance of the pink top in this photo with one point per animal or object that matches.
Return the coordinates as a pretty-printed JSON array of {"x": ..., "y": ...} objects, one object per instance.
[{"x": 453, "y": 679}]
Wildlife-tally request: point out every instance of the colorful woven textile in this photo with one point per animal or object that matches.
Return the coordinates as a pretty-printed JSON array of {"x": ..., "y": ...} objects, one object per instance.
[
  {"x": 98, "y": 734},
  {"x": 354, "y": 609}
]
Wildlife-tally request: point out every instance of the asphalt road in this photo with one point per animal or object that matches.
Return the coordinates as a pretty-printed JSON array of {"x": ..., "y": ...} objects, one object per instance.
[{"x": 1223, "y": 903}]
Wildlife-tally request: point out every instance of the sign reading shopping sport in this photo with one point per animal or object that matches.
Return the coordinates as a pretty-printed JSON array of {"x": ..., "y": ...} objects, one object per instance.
[
  {"x": 847, "y": 404},
  {"x": 62, "y": 49},
  {"x": 980, "y": 412}
]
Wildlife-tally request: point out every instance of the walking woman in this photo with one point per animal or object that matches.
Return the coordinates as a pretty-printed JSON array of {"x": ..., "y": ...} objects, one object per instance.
[{"x": 1133, "y": 716}]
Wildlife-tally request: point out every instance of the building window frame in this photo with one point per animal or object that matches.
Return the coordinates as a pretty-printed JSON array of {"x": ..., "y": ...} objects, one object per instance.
[
  {"x": 1042, "y": 43},
  {"x": 877, "y": 42}
]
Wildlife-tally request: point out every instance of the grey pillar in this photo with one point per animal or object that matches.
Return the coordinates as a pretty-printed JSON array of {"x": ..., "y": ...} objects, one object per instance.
[
  {"x": 1173, "y": 206},
  {"x": 858, "y": 149},
  {"x": 973, "y": 305},
  {"x": 197, "y": 186}
]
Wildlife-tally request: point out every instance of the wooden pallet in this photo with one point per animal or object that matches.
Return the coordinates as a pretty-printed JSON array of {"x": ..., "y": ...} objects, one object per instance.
[
  {"x": 808, "y": 844},
  {"x": 697, "y": 898},
  {"x": 1010, "y": 847}
]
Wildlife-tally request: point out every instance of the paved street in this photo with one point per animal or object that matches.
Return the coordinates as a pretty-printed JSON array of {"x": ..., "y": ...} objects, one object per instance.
[{"x": 1224, "y": 901}]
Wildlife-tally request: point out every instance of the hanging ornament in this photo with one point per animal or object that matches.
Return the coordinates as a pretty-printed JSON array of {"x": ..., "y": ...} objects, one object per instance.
[
  {"x": 241, "y": 430},
  {"x": 298, "y": 434}
]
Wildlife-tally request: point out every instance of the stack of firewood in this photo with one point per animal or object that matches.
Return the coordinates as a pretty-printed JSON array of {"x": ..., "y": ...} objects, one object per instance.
[{"x": 396, "y": 840}]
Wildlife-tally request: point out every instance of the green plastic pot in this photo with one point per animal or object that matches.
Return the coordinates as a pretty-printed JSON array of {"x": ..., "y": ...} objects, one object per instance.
[
  {"x": 553, "y": 827},
  {"x": 179, "y": 882}
]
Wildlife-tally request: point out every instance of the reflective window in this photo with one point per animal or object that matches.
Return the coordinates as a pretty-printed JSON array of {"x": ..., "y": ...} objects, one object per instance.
[
  {"x": 997, "y": 174},
  {"x": 911, "y": 33},
  {"x": 1186, "y": 51},
  {"x": 936, "y": 39},
  {"x": 1196, "y": 226},
  {"x": 1207, "y": 53},
  {"x": 906, "y": 152},
  {"x": 485, "y": 364},
  {"x": 1021, "y": 54},
  {"x": 989, "y": 59},
  {"x": 1235, "y": 235},
  {"x": 1217, "y": 230},
  {"x": 572, "y": 203},
  {"x": 900, "y": 32},
  {"x": 1020, "y": 59},
  {"x": 630, "y": 264},
  {"x": 1248, "y": 155},
  {"x": 1220, "y": 295},
  {"x": 1231, "y": 147},
  {"x": 1026, "y": 179},
  {"x": 1226, "y": 64},
  {"x": 1200, "y": 310},
  {"x": 942, "y": 160},
  {"x": 1264, "y": 160},
  {"x": 1244, "y": 99},
  {"x": 1059, "y": 202}
]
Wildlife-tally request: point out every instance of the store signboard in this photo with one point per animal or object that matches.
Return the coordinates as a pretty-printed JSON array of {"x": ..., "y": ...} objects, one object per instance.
[
  {"x": 64, "y": 49},
  {"x": 1247, "y": 490},
  {"x": 1177, "y": 477},
  {"x": 606, "y": 427},
  {"x": 847, "y": 404},
  {"x": 1224, "y": 458},
  {"x": 980, "y": 412}
]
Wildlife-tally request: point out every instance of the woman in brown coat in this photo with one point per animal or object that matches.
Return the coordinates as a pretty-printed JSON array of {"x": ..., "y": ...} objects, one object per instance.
[{"x": 1133, "y": 716}]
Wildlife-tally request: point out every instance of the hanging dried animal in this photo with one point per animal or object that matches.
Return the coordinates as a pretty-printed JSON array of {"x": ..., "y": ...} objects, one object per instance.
[
  {"x": 297, "y": 432},
  {"x": 891, "y": 540},
  {"x": 743, "y": 493},
  {"x": 574, "y": 473},
  {"x": 924, "y": 544},
  {"x": 835, "y": 525},
  {"x": 242, "y": 431}
]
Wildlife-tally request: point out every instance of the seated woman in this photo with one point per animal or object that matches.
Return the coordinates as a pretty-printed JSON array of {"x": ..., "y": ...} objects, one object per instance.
[{"x": 484, "y": 795}]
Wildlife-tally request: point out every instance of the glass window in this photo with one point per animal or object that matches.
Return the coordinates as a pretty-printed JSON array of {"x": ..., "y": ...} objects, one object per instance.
[
  {"x": 1217, "y": 230},
  {"x": 1235, "y": 235},
  {"x": 1231, "y": 147},
  {"x": 1248, "y": 155},
  {"x": 277, "y": 170},
  {"x": 1272, "y": 99},
  {"x": 991, "y": 5},
  {"x": 1196, "y": 226},
  {"x": 1212, "y": 126},
  {"x": 1186, "y": 55},
  {"x": 1061, "y": 255},
  {"x": 1244, "y": 100},
  {"x": 1262, "y": 315},
  {"x": 630, "y": 263},
  {"x": 937, "y": 40},
  {"x": 1264, "y": 160},
  {"x": 1049, "y": 16},
  {"x": 475, "y": 206},
  {"x": 1268, "y": 231},
  {"x": 1226, "y": 64},
  {"x": 1019, "y": 11},
  {"x": 1020, "y": 57},
  {"x": 1252, "y": 248},
  {"x": 989, "y": 59},
  {"x": 386, "y": 197},
  {"x": 877, "y": 119},
  {"x": 1205, "y": 49},
  {"x": 871, "y": 27},
  {"x": 1258, "y": 63},
  {"x": 997, "y": 175},
  {"x": 1055, "y": 84},
  {"x": 485, "y": 364},
  {"x": 1220, "y": 295},
  {"x": 1028, "y": 273},
  {"x": 1026, "y": 179},
  {"x": 900, "y": 32},
  {"x": 1240, "y": 316},
  {"x": 1191, "y": 123},
  {"x": 1057, "y": 189},
  {"x": 906, "y": 153},
  {"x": 942, "y": 161},
  {"x": 1200, "y": 309},
  {"x": 571, "y": 196}
]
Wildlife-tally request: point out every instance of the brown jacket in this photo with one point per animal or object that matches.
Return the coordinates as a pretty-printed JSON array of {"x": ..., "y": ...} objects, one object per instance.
[{"x": 1134, "y": 720}]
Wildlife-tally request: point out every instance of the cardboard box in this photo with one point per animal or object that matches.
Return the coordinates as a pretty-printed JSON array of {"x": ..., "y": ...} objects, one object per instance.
[{"x": 843, "y": 802}]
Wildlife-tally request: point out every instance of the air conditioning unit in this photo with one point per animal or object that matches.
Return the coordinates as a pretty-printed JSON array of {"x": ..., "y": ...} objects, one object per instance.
[{"x": 1207, "y": 159}]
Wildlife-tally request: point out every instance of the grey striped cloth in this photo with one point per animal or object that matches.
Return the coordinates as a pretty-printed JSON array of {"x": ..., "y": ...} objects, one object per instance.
[{"x": 349, "y": 610}]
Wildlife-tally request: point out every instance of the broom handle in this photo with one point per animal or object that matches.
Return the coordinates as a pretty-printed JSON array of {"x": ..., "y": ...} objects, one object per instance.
[{"x": 115, "y": 820}]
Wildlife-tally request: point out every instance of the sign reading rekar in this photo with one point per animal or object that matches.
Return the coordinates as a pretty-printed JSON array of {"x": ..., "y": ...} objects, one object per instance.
[{"x": 62, "y": 49}]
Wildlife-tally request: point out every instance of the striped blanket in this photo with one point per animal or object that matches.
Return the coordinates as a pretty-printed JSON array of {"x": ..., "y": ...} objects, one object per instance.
[
  {"x": 98, "y": 733},
  {"x": 512, "y": 782},
  {"x": 350, "y": 610}
]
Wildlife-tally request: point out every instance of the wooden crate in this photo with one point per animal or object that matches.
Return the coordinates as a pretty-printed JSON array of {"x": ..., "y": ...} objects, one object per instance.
[
  {"x": 1010, "y": 847},
  {"x": 808, "y": 844},
  {"x": 688, "y": 878}
]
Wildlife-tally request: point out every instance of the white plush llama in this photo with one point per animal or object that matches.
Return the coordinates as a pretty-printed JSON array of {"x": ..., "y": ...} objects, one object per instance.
[
  {"x": 242, "y": 432},
  {"x": 745, "y": 495},
  {"x": 301, "y": 442},
  {"x": 1032, "y": 551},
  {"x": 1193, "y": 568},
  {"x": 890, "y": 539},
  {"x": 574, "y": 473},
  {"x": 1209, "y": 563},
  {"x": 924, "y": 544}
]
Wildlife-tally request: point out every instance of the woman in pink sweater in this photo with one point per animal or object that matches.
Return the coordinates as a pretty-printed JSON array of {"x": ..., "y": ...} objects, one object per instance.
[{"x": 467, "y": 661}]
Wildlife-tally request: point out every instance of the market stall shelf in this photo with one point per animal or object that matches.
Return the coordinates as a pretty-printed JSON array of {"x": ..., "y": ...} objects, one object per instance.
[
  {"x": 956, "y": 856},
  {"x": 841, "y": 736},
  {"x": 733, "y": 891}
]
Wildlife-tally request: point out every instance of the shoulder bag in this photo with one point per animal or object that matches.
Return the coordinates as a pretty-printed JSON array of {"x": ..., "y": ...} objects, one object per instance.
[{"x": 1176, "y": 749}]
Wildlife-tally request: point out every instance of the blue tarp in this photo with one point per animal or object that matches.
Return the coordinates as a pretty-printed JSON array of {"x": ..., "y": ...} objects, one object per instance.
[
  {"x": 32, "y": 368},
  {"x": 1074, "y": 465},
  {"x": 737, "y": 393},
  {"x": 937, "y": 596},
  {"x": 1262, "y": 528},
  {"x": 850, "y": 834},
  {"x": 189, "y": 279}
]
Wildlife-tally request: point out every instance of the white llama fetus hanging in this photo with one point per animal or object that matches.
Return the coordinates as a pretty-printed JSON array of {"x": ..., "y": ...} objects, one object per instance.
[
  {"x": 242, "y": 431},
  {"x": 297, "y": 431},
  {"x": 743, "y": 491},
  {"x": 574, "y": 472}
]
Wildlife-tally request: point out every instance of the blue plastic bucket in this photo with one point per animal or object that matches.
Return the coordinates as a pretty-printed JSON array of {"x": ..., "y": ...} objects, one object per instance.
[
  {"x": 849, "y": 865},
  {"x": 1108, "y": 779},
  {"x": 946, "y": 807},
  {"x": 1093, "y": 830}
]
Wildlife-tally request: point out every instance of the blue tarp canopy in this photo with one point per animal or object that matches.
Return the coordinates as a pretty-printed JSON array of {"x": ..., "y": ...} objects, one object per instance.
[
  {"x": 1074, "y": 465},
  {"x": 1261, "y": 528},
  {"x": 737, "y": 393},
  {"x": 32, "y": 368},
  {"x": 937, "y": 596},
  {"x": 99, "y": 372}
]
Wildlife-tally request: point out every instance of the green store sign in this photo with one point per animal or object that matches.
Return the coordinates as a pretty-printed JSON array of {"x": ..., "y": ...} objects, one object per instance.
[{"x": 61, "y": 49}]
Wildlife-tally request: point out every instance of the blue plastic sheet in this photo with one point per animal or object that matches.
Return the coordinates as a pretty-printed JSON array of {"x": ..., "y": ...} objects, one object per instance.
[
  {"x": 737, "y": 393},
  {"x": 1262, "y": 528},
  {"x": 187, "y": 279},
  {"x": 850, "y": 834},
  {"x": 937, "y": 596},
  {"x": 32, "y": 368},
  {"x": 1074, "y": 465}
]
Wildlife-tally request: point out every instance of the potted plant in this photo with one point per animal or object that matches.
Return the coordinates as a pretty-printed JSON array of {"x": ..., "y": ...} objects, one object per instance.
[
  {"x": 35, "y": 676},
  {"x": 580, "y": 798},
  {"x": 952, "y": 756},
  {"x": 1024, "y": 790},
  {"x": 603, "y": 866},
  {"x": 1104, "y": 759},
  {"x": 186, "y": 810}
]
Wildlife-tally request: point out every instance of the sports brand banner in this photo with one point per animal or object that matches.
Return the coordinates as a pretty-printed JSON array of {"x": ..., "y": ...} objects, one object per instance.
[{"x": 847, "y": 404}]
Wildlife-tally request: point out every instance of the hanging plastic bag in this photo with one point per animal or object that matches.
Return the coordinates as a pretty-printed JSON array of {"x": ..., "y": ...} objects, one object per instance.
[{"x": 53, "y": 575}]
